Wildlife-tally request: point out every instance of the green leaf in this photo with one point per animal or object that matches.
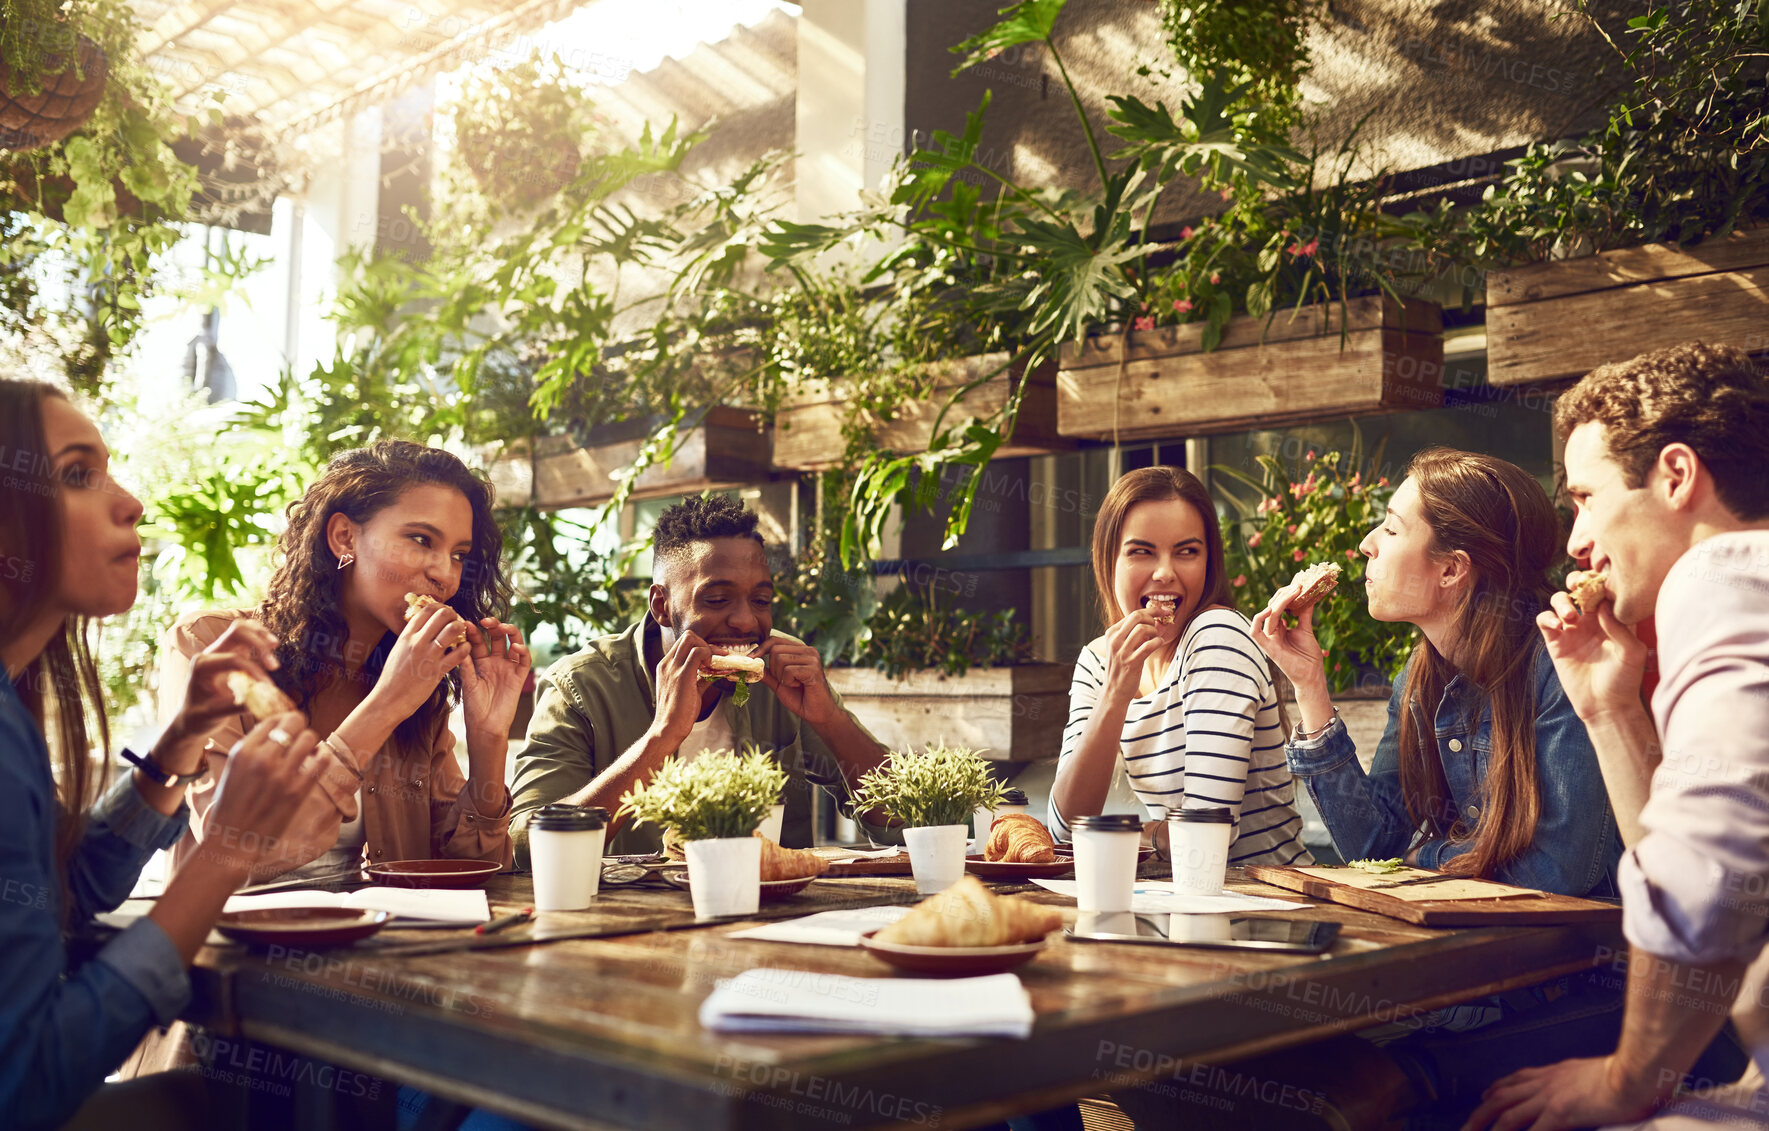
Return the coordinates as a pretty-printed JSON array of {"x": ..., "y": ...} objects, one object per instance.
[{"x": 1029, "y": 21}]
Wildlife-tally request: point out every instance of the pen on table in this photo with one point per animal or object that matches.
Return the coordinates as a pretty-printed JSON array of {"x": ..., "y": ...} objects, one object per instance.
[{"x": 503, "y": 921}]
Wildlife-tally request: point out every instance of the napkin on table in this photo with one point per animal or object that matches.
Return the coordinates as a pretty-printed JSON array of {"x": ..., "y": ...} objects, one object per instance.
[{"x": 767, "y": 1000}]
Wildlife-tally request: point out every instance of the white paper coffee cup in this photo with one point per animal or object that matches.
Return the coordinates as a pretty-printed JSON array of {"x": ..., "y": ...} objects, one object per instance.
[
  {"x": 1199, "y": 840},
  {"x": 1105, "y": 860},
  {"x": 565, "y": 854}
]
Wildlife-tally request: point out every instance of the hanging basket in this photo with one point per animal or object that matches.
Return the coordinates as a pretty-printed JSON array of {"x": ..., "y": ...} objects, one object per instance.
[{"x": 71, "y": 89}]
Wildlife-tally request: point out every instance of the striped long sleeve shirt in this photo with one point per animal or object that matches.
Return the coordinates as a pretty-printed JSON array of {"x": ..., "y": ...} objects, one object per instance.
[{"x": 1207, "y": 737}]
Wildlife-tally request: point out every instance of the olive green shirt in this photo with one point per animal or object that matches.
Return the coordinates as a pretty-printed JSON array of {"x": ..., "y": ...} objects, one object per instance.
[{"x": 592, "y": 706}]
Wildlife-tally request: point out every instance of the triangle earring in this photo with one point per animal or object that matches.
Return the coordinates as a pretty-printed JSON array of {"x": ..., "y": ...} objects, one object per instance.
[{"x": 346, "y": 560}]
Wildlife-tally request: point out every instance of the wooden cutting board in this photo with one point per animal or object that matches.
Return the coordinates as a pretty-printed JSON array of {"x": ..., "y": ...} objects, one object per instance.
[{"x": 1462, "y": 904}]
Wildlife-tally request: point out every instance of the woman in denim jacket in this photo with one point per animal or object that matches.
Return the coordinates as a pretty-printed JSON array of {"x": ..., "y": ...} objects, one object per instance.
[{"x": 1483, "y": 769}]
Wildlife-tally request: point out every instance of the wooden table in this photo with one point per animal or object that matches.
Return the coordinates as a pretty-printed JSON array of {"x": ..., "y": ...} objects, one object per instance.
[{"x": 602, "y": 1032}]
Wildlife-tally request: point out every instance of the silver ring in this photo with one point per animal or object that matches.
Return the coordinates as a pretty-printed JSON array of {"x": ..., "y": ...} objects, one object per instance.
[{"x": 280, "y": 736}]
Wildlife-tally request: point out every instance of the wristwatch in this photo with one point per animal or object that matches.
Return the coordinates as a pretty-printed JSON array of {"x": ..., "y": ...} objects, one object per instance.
[{"x": 158, "y": 773}]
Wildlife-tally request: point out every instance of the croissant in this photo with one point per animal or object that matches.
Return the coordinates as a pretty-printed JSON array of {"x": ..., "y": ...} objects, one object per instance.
[
  {"x": 789, "y": 863},
  {"x": 1020, "y": 839},
  {"x": 967, "y": 914}
]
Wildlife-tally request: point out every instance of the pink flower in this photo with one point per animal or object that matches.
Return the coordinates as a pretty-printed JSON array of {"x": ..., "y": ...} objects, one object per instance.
[
  {"x": 1325, "y": 653},
  {"x": 1227, "y": 193},
  {"x": 1144, "y": 323},
  {"x": 1186, "y": 232},
  {"x": 1258, "y": 537},
  {"x": 1291, "y": 529},
  {"x": 1351, "y": 555},
  {"x": 1301, "y": 249},
  {"x": 1215, "y": 278},
  {"x": 1298, "y": 555},
  {"x": 1183, "y": 305},
  {"x": 1240, "y": 580},
  {"x": 1382, "y": 482},
  {"x": 1310, "y": 454},
  {"x": 1356, "y": 479}
]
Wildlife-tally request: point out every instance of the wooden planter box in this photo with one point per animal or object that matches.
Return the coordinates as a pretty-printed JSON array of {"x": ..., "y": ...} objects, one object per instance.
[
  {"x": 1171, "y": 388},
  {"x": 727, "y": 449},
  {"x": 1557, "y": 321},
  {"x": 1011, "y": 714},
  {"x": 807, "y": 431}
]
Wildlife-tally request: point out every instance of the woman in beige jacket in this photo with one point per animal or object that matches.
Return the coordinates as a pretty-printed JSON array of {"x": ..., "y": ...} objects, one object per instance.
[{"x": 382, "y": 523}]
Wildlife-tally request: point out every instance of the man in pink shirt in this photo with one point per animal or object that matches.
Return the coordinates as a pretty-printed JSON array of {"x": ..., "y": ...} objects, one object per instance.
[{"x": 1667, "y": 461}]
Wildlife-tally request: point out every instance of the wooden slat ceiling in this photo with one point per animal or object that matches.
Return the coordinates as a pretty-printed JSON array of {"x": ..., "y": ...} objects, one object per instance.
[{"x": 295, "y": 65}]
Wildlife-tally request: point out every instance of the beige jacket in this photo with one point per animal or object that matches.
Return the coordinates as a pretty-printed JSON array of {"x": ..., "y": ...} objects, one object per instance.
[{"x": 414, "y": 806}]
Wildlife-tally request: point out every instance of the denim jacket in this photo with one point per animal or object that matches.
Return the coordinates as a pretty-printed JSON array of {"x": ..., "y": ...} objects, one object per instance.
[
  {"x": 64, "y": 1028},
  {"x": 1576, "y": 844}
]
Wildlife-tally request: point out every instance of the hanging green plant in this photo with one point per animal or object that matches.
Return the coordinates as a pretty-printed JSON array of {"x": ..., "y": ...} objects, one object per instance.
[
  {"x": 523, "y": 131},
  {"x": 51, "y": 76}
]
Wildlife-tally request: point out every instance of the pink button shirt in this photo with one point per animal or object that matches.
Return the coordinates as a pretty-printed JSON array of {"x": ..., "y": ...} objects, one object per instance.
[{"x": 1696, "y": 887}]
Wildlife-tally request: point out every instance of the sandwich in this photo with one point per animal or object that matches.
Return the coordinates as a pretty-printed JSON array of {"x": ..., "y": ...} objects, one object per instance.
[
  {"x": 738, "y": 664},
  {"x": 1162, "y": 606},
  {"x": 416, "y": 603},
  {"x": 1316, "y": 582},
  {"x": 262, "y": 698},
  {"x": 1589, "y": 591}
]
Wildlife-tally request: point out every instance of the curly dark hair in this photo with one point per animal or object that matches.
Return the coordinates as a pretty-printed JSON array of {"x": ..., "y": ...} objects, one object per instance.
[
  {"x": 702, "y": 519},
  {"x": 302, "y": 604},
  {"x": 1707, "y": 396}
]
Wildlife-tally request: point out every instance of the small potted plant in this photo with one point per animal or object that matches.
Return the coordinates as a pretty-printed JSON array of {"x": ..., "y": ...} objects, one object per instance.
[
  {"x": 714, "y": 805},
  {"x": 933, "y": 793}
]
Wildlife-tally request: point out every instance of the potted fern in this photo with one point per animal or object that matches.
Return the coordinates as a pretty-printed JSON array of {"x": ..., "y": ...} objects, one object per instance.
[
  {"x": 714, "y": 805},
  {"x": 933, "y": 793}
]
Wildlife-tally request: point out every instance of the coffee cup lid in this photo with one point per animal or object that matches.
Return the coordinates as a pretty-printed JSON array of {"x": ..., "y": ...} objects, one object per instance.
[
  {"x": 1221, "y": 816},
  {"x": 568, "y": 818},
  {"x": 1109, "y": 823},
  {"x": 1014, "y": 797}
]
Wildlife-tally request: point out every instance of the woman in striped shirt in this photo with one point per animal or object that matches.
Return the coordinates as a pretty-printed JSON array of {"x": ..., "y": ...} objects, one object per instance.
[{"x": 1186, "y": 699}]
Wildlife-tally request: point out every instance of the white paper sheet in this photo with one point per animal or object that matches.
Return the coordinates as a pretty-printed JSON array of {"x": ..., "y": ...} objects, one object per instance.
[
  {"x": 797, "y": 1001},
  {"x": 826, "y": 928},
  {"x": 1157, "y": 897},
  {"x": 462, "y": 906}
]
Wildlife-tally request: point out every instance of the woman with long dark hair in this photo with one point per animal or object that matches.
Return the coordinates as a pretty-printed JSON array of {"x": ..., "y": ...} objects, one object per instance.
[
  {"x": 1184, "y": 700},
  {"x": 383, "y": 524},
  {"x": 71, "y": 845},
  {"x": 1483, "y": 769}
]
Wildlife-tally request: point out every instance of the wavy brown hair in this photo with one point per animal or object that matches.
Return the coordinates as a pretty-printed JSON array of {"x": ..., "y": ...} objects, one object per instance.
[
  {"x": 1707, "y": 396},
  {"x": 1498, "y": 515},
  {"x": 303, "y": 607},
  {"x": 1155, "y": 484},
  {"x": 60, "y": 686}
]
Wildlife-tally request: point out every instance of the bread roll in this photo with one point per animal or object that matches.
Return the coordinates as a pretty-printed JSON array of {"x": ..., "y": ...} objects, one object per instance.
[
  {"x": 263, "y": 699},
  {"x": 968, "y": 914},
  {"x": 1018, "y": 838},
  {"x": 789, "y": 863}
]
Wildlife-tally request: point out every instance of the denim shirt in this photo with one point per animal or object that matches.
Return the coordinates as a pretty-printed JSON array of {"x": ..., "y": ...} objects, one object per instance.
[
  {"x": 64, "y": 1029},
  {"x": 1576, "y": 844}
]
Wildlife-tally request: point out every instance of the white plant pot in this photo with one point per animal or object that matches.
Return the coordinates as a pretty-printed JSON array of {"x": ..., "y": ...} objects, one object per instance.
[
  {"x": 725, "y": 876},
  {"x": 936, "y": 856},
  {"x": 770, "y": 826}
]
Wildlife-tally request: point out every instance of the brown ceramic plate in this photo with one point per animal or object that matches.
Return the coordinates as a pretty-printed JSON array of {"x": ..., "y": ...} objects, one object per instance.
[
  {"x": 950, "y": 960},
  {"x": 1013, "y": 870},
  {"x": 771, "y": 889},
  {"x": 301, "y": 926},
  {"x": 433, "y": 873}
]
